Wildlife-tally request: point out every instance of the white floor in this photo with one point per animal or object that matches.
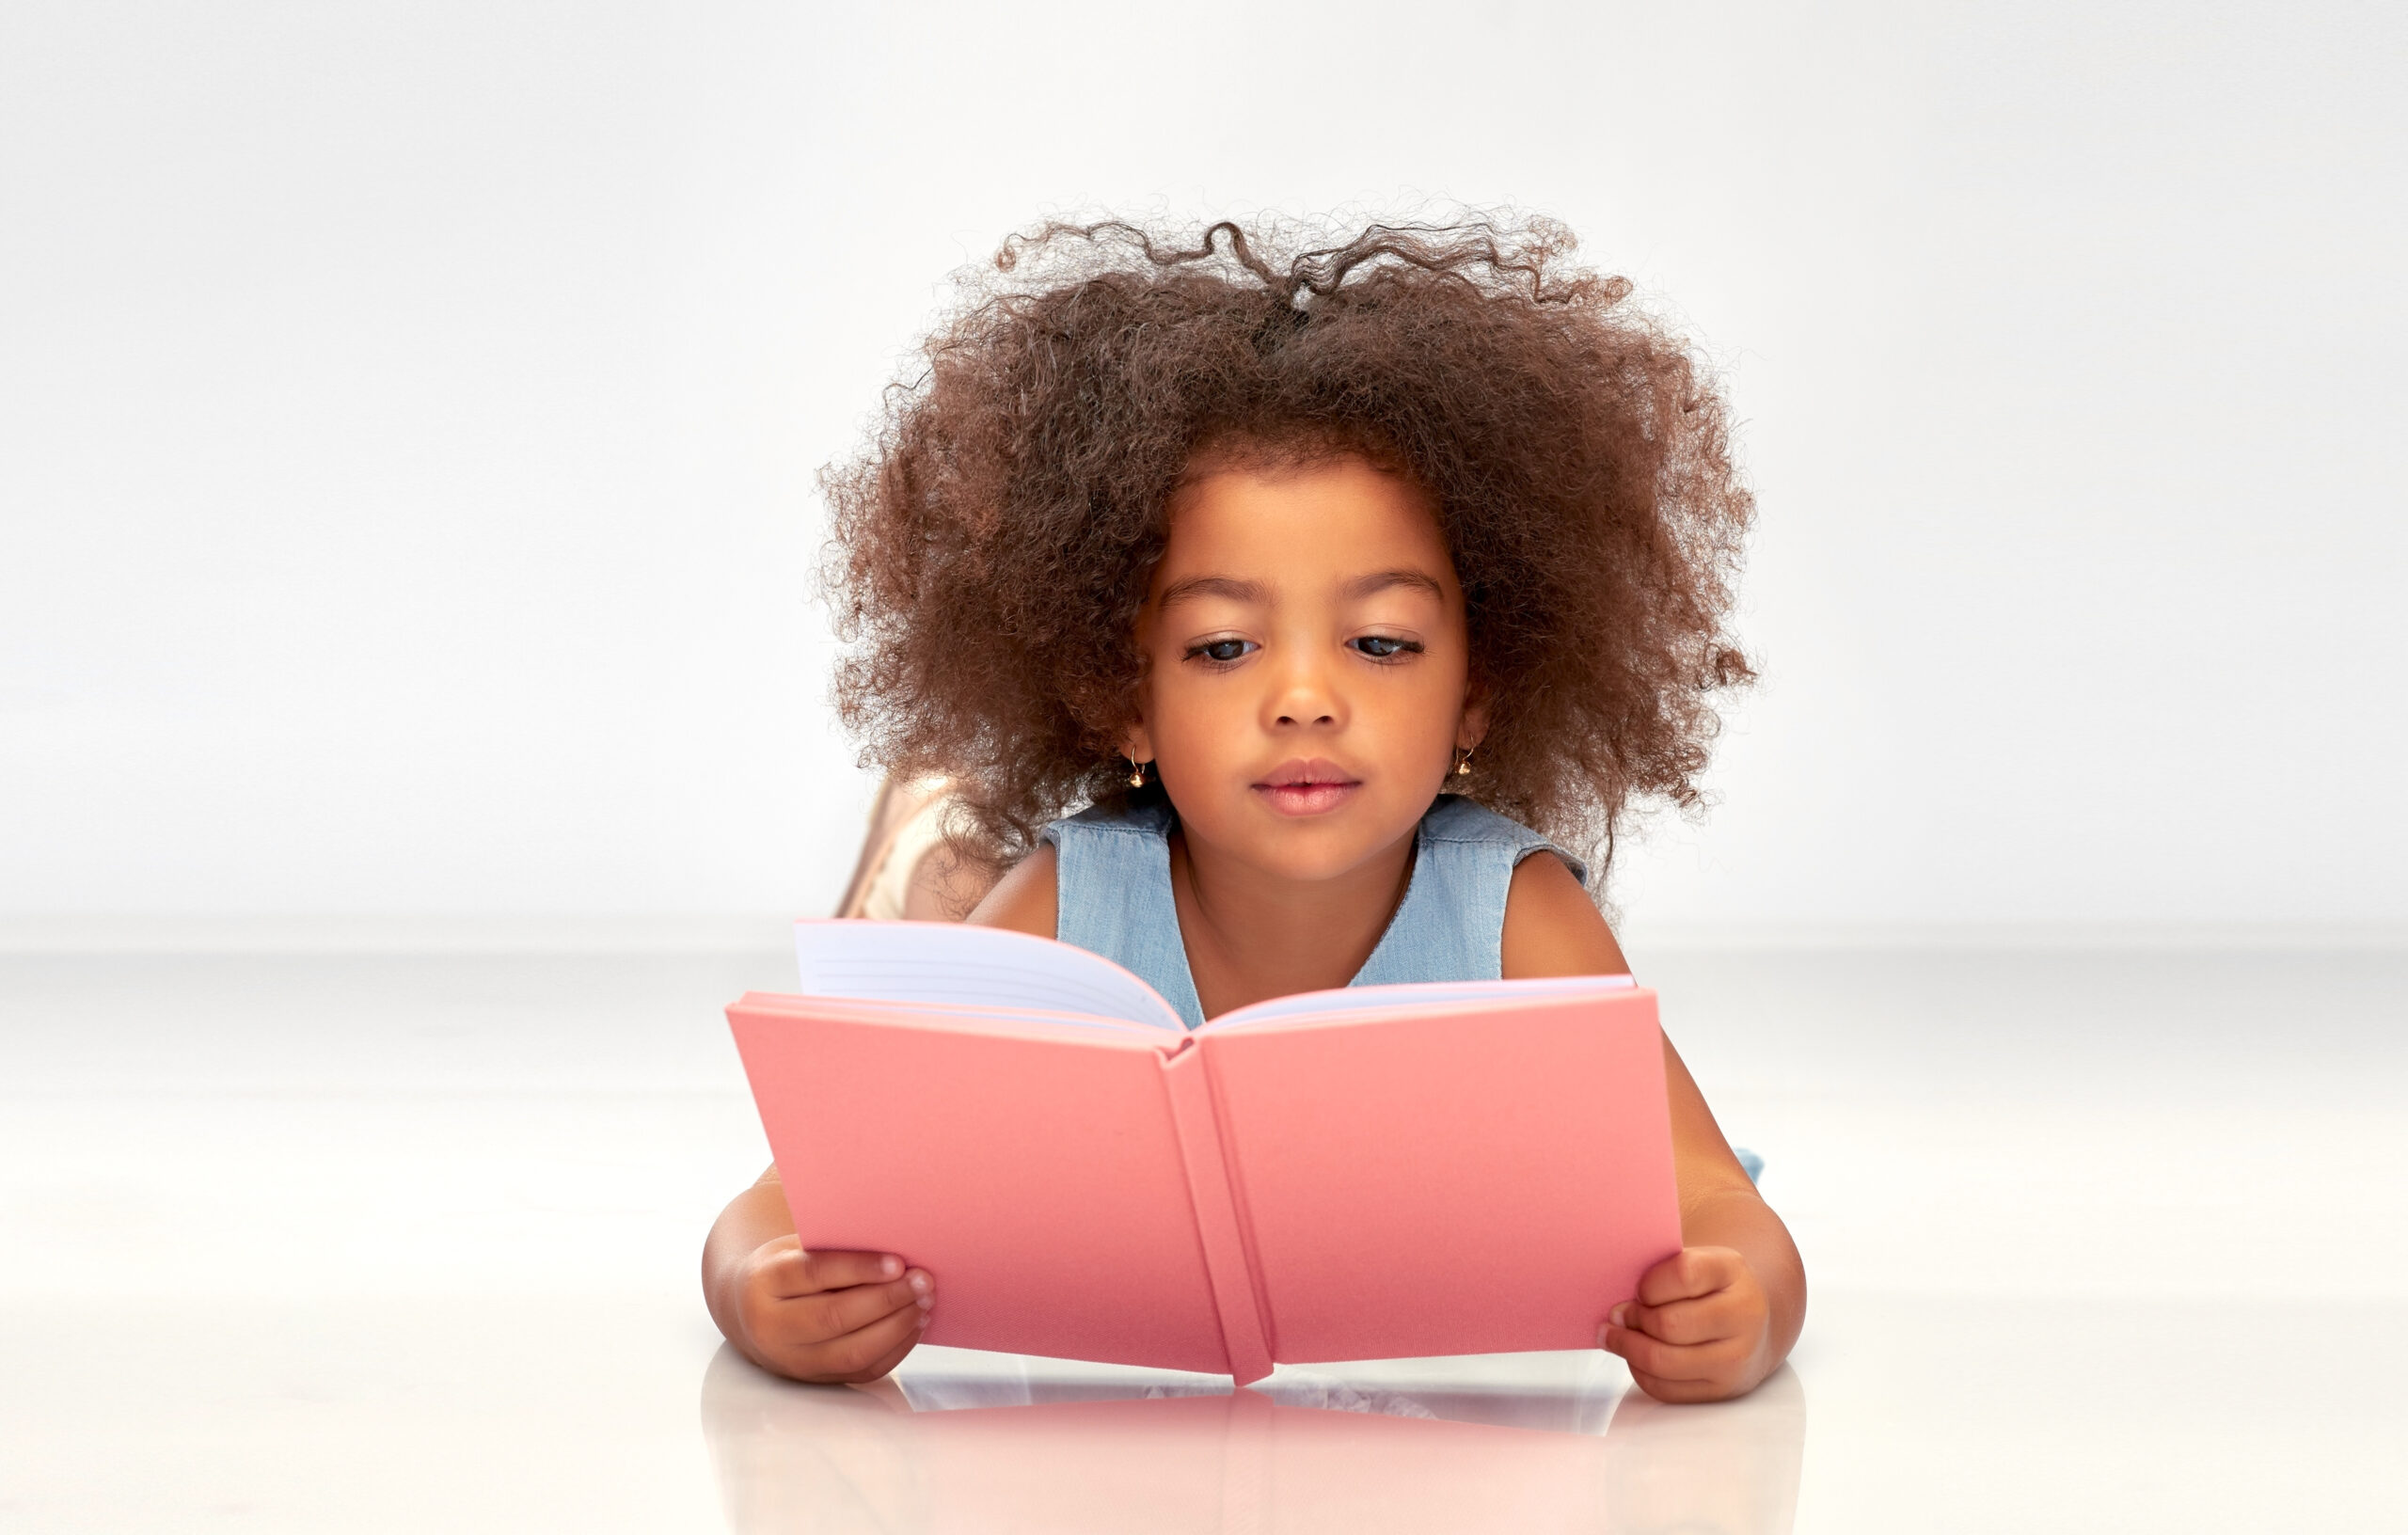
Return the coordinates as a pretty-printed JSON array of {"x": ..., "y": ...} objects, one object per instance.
[{"x": 2099, "y": 1242}]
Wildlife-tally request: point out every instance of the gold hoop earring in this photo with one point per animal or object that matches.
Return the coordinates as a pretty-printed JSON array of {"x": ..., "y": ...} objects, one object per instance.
[
  {"x": 1136, "y": 774},
  {"x": 1463, "y": 764}
]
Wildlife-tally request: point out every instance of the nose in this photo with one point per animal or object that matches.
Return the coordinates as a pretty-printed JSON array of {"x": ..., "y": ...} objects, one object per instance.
[{"x": 1303, "y": 694}]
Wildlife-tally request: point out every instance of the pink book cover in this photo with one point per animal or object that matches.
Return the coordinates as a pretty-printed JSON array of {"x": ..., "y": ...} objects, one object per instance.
[{"x": 1377, "y": 1172}]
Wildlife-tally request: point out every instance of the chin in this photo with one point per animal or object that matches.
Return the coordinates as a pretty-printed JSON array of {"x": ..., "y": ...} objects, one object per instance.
[{"x": 1320, "y": 847}]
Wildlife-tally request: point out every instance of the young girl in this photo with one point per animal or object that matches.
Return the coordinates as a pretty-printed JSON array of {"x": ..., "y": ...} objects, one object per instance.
[{"x": 1350, "y": 589}]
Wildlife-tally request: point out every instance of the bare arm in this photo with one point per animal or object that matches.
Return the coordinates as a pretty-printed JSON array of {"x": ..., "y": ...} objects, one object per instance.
[
  {"x": 947, "y": 887},
  {"x": 1023, "y": 899},
  {"x": 1718, "y": 1317},
  {"x": 823, "y": 1316},
  {"x": 751, "y": 1220},
  {"x": 844, "y": 1316}
]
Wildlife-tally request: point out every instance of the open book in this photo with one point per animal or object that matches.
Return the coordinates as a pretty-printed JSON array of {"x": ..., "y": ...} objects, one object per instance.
[{"x": 1377, "y": 1172}]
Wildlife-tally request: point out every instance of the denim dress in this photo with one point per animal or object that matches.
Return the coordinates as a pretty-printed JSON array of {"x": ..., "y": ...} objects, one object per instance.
[{"x": 1112, "y": 894}]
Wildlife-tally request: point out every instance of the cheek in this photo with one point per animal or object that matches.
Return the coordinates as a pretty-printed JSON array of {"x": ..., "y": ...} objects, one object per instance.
[
  {"x": 1422, "y": 708},
  {"x": 1423, "y": 743},
  {"x": 1195, "y": 723}
]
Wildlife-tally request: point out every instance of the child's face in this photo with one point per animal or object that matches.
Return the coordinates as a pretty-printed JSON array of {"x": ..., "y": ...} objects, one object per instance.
[{"x": 1307, "y": 662}]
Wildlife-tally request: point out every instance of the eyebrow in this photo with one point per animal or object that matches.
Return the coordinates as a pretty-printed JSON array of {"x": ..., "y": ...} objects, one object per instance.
[
  {"x": 1236, "y": 590},
  {"x": 1211, "y": 586},
  {"x": 1364, "y": 586}
]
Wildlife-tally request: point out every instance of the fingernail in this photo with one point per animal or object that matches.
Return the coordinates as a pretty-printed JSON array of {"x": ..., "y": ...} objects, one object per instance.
[
  {"x": 920, "y": 1283},
  {"x": 922, "y": 1320},
  {"x": 889, "y": 1265},
  {"x": 1620, "y": 1315}
]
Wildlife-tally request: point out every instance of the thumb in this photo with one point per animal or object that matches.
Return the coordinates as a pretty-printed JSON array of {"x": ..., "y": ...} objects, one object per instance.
[{"x": 1689, "y": 1274}]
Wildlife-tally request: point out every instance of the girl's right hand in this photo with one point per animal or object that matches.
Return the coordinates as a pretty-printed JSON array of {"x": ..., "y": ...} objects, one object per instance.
[{"x": 830, "y": 1317}]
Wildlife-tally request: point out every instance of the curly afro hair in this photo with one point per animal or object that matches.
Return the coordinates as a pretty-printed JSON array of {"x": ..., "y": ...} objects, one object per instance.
[{"x": 992, "y": 544}]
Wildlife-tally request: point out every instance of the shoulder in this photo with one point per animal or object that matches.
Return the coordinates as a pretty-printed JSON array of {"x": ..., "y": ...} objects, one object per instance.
[
  {"x": 1098, "y": 843},
  {"x": 1023, "y": 899},
  {"x": 1145, "y": 820},
  {"x": 1456, "y": 819},
  {"x": 1551, "y": 928}
]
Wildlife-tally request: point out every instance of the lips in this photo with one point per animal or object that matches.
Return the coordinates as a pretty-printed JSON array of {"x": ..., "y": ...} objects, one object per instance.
[{"x": 1307, "y": 787}]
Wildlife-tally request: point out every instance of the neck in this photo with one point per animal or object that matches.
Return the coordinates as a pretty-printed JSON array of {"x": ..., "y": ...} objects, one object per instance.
[{"x": 1251, "y": 935}]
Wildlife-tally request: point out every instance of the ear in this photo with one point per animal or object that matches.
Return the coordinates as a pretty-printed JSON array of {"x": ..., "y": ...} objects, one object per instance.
[
  {"x": 1138, "y": 743},
  {"x": 1473, "y": 726},
  {"x": 1137, "y": 737}
]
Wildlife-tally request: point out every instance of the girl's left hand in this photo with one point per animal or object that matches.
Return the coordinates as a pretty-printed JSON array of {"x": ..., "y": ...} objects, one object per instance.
[{"x": 1700, "y": 1329}]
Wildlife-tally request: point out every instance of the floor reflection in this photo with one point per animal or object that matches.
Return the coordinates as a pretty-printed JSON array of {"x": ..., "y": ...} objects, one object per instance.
[{"x": 966, "y": 1442}]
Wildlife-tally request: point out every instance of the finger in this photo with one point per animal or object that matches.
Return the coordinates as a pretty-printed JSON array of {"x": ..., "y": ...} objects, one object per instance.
[
  {"x": 895, "y": 1355},
  {"x": 1705, "y": 1319},
  {"x": 857, "y": 1355},
  {"x": 1680, "y": 1391},
  {"x": 1690, "y": 1272},
  {"x": 1666, "y": 1361},
  {"x": 837, "y": 1312},
  {"x": 795, "y": 1271}
]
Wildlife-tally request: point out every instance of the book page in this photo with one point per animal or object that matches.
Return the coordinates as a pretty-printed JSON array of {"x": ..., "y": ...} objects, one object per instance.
[
  {"x": 955, "y": 965},
  {"x": 1353, "y": 998}
]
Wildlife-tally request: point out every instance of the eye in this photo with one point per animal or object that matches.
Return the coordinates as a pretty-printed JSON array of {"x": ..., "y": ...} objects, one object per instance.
[
  {"x": 1382, "y": 647},
  {"x": 1221, "y": 652}
]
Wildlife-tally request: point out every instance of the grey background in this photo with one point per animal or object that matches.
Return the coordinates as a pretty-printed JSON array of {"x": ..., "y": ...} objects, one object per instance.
[{"x": 407, "y": 417}]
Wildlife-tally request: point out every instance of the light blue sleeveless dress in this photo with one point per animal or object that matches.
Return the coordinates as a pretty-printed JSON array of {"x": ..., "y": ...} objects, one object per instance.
[{"x": 1112, "y": 896}]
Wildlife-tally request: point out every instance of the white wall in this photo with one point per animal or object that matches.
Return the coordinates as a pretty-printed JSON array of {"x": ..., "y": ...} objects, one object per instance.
[{"x": 407, "y": 417}]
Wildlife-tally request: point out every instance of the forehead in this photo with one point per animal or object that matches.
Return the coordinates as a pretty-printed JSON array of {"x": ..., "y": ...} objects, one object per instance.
[{"x": 1296, "y": 526}]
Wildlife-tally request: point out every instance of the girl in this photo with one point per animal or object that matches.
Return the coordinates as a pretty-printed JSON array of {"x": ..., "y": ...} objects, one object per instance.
[{"x": 1351, "y": 589}]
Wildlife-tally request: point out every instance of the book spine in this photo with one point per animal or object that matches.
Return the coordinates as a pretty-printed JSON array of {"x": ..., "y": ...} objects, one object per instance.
[{"x": 1243, "y": 1332}]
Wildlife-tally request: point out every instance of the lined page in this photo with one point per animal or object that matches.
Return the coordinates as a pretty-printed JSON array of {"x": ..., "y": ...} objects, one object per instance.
[
  {"x": 1352, "y": 999},
  {"x": 954, "y": 965}
]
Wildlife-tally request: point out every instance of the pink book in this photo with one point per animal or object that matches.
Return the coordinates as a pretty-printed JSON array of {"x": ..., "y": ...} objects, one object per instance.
[{"x": 1378, "y": 1172}]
